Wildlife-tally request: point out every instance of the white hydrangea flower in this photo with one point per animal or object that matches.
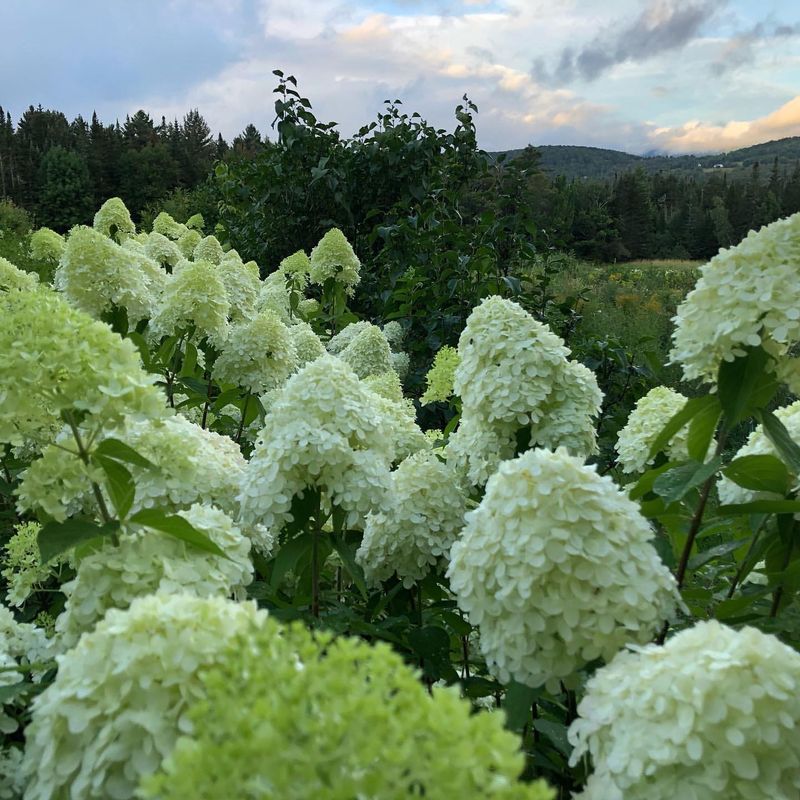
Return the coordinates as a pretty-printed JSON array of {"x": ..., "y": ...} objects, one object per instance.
[
  {"x": 190, "y": 465},
  {"x": 508, "y": 363},
  {"x": 13, "y": 278},
  {"x": 308, "y": 307},
  {"x": 162, "y": 250},
  {"x": 196, "y": 222},
  {"x": 711, "y": 715},
  {"x": 258, "y": 354},
  {"x": 568, "y": 418},
  {"x": 167, "y": 226},
  {"x": 645, "y": 423},
  {"x": 394, "y": 333},
  {"x": 401, "y": 362},
  {"x": 242, "y": 286},
  {"x": 194, "y": 296},
  {"x": 96, "y": 274},
  {"x": 12, "y": 784},
  {"x": 418, "y": 523},
  {"x": 146, "y": 562},
  {"x": 368, "y": 352},
  {"x": 119, "y": 700},
  {"x": 556, "y": 568},
  {"x": 341, "y": 340},
  {"x": 746, "y": 296},
  {"x": 274, "y": 296},
  {"x": 46, "y": 245},
  {"x": 208, "y": 249},
  {"x": 322, "y": 430},
  {"x": 759, "y": 444},
  {"x": 307, "y": 344},
  {"x": 23, "y": 570},
  {"x": 440, "y": 376},
  {"x": 187, "y": 242},
  {"x": 333, "y": 257},
  {"x": 21, "y": 644},
  {"x": 295, "y": 269},
  {"x": 114, "y": 220},
  {"x": 475, "y": 450}
]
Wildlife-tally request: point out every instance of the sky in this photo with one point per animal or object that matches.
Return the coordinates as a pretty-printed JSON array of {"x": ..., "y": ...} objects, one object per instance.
[{"x": 671, "y": 76}]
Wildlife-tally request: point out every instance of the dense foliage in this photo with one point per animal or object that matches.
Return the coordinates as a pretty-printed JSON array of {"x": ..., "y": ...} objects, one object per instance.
[{"x": 195, "y": 456}]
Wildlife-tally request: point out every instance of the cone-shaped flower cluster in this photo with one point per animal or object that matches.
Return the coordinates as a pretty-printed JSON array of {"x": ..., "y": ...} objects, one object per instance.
[
  {"x": 418, "y": 523},
  {"x": 114, "y": 220},
  {"x": 209, "y": 249},
  {"x": 651, "y": 413},
  {"x": 556, "y": 568},
  {"x": 516, "y": 384},
  {"x": 323, "y": 430},
  {"x": 746, "y": 296},
  {"x": 258, "y": 355},
  {"x": 46, "y": 245},
  {"x": 440, "y": 376},
  {"x": 373, "y": 729},
  {"x": 711, "y": 715},
  {"x": 119, "y": 700},
  {"x": 334, "y": 258},
  {"x": 242, "y": 285},
  {"x": 54, "y": 358},
  {"x": 14, "y": 279},
  {"x": 368, "y": 352}
]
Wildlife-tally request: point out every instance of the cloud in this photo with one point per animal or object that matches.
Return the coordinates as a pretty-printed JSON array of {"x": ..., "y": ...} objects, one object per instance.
[
  {"x": 740, "y": 50},
  {"x": 701, "y": 137},
  {"x": 662, "y": 26}
]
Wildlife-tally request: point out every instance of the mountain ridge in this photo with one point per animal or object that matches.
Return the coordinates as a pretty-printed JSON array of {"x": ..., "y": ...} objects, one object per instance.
[{"x": 580, "y": 162}]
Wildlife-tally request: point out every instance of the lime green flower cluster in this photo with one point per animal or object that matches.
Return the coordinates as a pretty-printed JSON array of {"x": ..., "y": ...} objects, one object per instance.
[
  {"x": 162, "y": 250},
  {"x": 196, "y": 222},
  {"x": 368, "y": 352},
  {"x": 54, "y": 358},
  {"x": 114, "y": 220},
  {"x": 334, "y": 258},
  {"x": 96, "y": 275},
  {"x": 242, "y": 285},
  {"x": 441, "y": 375},
  {"x": 167, "y": 226},
  {"x": 119, "y": 700},
  {"x": 292, "y": 715},
  {"x": 46, "y": 245},
  {"x": 209, "y": 249},
  {"x": 195, "y": 297},
  {"x": 188, "y": 241},
  {"x": 258, "y": 355},
  {"x": 23, "y": 570},
  {"x": 12, "y": 278},
  {"x": 296, "y": 268},
  {"x": 307, "y": 344}
]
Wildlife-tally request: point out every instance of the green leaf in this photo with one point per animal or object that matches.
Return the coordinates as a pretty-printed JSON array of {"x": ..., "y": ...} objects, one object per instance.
[
  {"x": 680, "y": 420},
  {"x": 715, "y": 552},
  {"x": 177, "y": 527},
  {"x": 347, "y": 552},
  {"x": 196, "y": 385},
  {"x": 430, "y": 642},
  {"x": 744, "y": 385},
  {"x": 556, "y": 732},
  {"x": 114, "y": 448},
  {"x": 57, "y": 537},
  {"x": 288, "y": 556},
  {"x": 760, "y": 507},
  {"x": 645, "y": 484},
  {"x": 674, "y": 484},
  {"x": 734, "y": 606},
  {"x": 701, "y": 430},
  {"x": 763, "y": 473},
  {"x": 189, "y": 361},
  {"x": 518, "y": 702},
  {"x": 10, "y": 693},
  {"x": 786, "y": 446},
  {"x": 119, "y": 482}
]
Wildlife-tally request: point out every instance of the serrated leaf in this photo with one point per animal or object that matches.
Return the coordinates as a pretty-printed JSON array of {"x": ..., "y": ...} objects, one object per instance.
[
  {"x": 177, "y": 527},
  {"x": 679, "y": 420},
  {"x": 761, "y": 473},
  {"x": 518, "y": 701},
  {"x": 119, "y": 483},
  {"x": 645, "y": 484},
  {"x": 675, "y": 483},
  {"x": 288, "y": 556},
  {"x": 347, "y": 553},
  {"x": 55, "y": 538},
  {"x": 114, "y": 448},
  {"x": 556, "y": 732},
  {"x": 786, "y": 446}
]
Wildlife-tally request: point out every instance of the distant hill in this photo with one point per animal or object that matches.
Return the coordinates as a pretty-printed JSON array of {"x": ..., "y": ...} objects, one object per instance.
[{"x": 574, "y": 161}]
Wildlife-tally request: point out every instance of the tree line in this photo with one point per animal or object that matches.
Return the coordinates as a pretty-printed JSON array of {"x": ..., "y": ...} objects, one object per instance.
[{"x": 60, "y": 171}]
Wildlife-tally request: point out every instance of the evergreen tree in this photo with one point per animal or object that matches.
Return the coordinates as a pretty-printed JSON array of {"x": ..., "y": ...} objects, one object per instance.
[{"x": 64, "y": 189}]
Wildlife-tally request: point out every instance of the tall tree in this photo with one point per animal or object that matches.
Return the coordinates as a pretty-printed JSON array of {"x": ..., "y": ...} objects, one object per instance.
[{"x": 64, "y": 189}]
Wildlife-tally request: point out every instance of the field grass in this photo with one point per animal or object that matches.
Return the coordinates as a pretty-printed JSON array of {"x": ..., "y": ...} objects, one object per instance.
[{"x": 633, "y": 302}]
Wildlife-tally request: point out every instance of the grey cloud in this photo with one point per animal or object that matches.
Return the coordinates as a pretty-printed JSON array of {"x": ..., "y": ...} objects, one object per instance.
[
  {"x": 661, "y": 26},
  {"x": 740, "y": 50}
]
